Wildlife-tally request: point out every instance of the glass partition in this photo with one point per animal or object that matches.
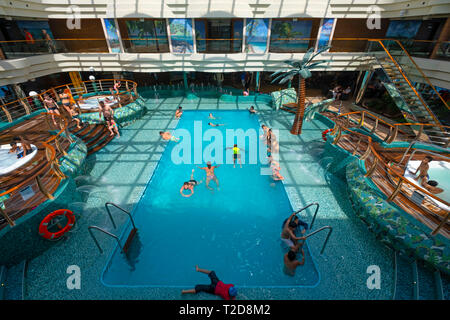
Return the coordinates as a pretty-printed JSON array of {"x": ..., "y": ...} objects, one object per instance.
[
  {"x": 290, "y": 35},
  {"x": 113, "y": 36},
  {"x": 145, "y": 35},
  {"x": 256, "y": 32},
  {"x": 218, "y": 35}
]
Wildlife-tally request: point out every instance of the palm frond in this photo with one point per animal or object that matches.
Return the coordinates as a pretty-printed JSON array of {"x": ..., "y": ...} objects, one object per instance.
[
  {"x": 293, "y": 63},
  {"x": 307, "y": 55},
  {"x": 291, "y": 73},
  {"x": 320, "y": 51},
  {"x": 315, "y": 64}
]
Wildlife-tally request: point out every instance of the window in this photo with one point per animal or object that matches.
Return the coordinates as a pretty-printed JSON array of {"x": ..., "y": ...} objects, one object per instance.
[
  {"x": 256, "y": 31},
  {"x": 290, "y": 35},
  {"x": 145, "y": 35},
  {"x": 218, "y": 35}
]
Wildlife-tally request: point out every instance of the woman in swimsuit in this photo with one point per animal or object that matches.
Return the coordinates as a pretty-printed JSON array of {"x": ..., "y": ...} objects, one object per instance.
[
  {"x": 189, "y": 185},
  {"x": 116, "y": 86},
  {"x": 66, "y": 98},
  {"x": 51, "y": 106},
  {"x": 215, "y": 124},
  {"x": 210, "y": 175},
  {"x": 108, "y": 115}
]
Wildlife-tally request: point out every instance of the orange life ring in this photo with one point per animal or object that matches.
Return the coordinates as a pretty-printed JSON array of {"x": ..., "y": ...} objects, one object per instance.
[
  {"x": 324, "y": 134},
  {"x": 43, "y": 227}
]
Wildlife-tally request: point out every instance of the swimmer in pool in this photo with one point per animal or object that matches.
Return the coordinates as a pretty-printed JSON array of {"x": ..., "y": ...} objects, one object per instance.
[
  {"x": 252, "y": 110},
  {"x": 275, "y": 166},
  {"x": 210, "y": 175},
  {"x": 189, "y": 185},
  {"x": 291, "y": 263},
  {"x": 210, "y": 116},
  {"x": 236, "y": 154},
  {"x": 215, "y": 124},
  {"x": 288, "y": 236},
  {"x": 168, "y": 136},
  {"x": 263, "y": 137}
]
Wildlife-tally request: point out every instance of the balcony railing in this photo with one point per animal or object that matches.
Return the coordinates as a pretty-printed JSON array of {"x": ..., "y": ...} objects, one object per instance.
[{"x": 24, "y": 48}]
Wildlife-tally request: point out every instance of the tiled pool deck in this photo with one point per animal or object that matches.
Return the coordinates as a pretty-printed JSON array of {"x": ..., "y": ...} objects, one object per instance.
[{"x": 120, "y": 172}]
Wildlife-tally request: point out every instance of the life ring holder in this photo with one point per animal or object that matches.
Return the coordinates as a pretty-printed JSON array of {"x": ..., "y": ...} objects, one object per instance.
[
  {"x": 324, "y": 134},
  {"x": 57, "y": 214}
]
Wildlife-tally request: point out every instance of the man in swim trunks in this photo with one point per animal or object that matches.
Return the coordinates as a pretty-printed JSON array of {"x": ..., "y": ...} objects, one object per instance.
[
  {"x": 423, "y": 168},
  {"x": 217, "y": 287},
  {"x": 179, "y": 112},
  {"x": 236, "y": 155},
  {"x": 210, "y": 175},
  {"x": 291, "y": 263},
  {"x": 168, "y": 136},
  {"x": 288, "y": 236},
  {"x": 108, "y": 115},
  {"x": 189, "y": 185},
  {"x": 215, "y": 124}
]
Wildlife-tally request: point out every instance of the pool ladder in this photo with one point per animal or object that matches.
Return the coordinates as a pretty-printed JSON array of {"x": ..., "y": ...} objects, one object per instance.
[
  {"x": 126, "y": 246},
  {"x": 330, "y": 229}
]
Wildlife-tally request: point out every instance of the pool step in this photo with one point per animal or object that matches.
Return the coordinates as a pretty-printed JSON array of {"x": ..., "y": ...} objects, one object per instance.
[
  {"x": 12, "y": 281},
  {"x": 417, "y": 282}
]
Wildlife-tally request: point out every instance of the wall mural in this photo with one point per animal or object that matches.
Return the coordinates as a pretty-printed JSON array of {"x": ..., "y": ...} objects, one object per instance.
[
  {"x": 325, "y": 33},
  {"x": 403, "y": 29},
  {"x": 181, "y": 35},
  {"x": 256, "y": 35},
  {"x": 113, "y": 36},
  {"x": 286, "y": 35},
  {"x": 150, "y": 35}
]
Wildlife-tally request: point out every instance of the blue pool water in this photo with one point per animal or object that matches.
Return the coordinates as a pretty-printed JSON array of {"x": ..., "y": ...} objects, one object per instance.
[{"x": 234, "y": 231}]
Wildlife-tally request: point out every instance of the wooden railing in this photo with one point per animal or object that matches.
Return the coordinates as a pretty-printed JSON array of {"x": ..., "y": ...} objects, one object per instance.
[
  {"x": 397, "y": 131},
  {"x": 399, "y": 184},
  {"x": 25, "y": 106},
  {"x": 42, "y": 173}
]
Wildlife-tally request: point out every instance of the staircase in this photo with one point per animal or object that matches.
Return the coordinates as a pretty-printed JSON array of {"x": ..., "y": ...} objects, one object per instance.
[
  {"x": 414, "y": 107},
  {"x": 12, "y": 282},
  {"x": 95, "y": 136},
  {"x": 417, "y": 282}
]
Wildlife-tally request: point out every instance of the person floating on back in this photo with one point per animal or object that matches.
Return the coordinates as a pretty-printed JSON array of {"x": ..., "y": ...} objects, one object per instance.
[
  {"x": 179, "y": 112},
  {"x": 217, "y": 287},
  {"x": 168, "y": 136},
  {"x": 236, "y": 155},
  {"x": 215, "y": 124}
]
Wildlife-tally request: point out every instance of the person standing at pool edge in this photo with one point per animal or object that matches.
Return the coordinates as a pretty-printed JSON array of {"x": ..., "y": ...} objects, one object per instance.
[
  {"x": 217, "y": 287},
  {"x": 179, "y": 112},
  {"x": 210, "y": 175}
]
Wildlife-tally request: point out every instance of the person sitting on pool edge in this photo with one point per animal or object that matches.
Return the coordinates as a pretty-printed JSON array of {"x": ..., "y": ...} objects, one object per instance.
[
  {"x": 288, "y": 236},
  {"x": 168, "y": 136},
  {"x": 252, "y": 110},
  {"x": 291, "y": 262},
  {"x": 217, "y": 287},
  {"x": 423, "y": 168},
  {"x": 431, "y": 186},
  {"x": 189, "y": 185},
  {"x": 215, "y": 124},
  {"x": 179, "y": 112}
]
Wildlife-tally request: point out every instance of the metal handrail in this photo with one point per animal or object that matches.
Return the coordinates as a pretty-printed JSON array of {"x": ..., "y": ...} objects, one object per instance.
[
  {"x": 110, "y": 216},
  {"x": 105, "y": 232},
  {"x": 315, "y": 213},
  {"x": 326, "y": 239}
]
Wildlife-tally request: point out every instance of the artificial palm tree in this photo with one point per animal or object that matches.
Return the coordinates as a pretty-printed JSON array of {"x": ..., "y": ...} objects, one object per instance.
[{"x": 302, "y": 68}]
